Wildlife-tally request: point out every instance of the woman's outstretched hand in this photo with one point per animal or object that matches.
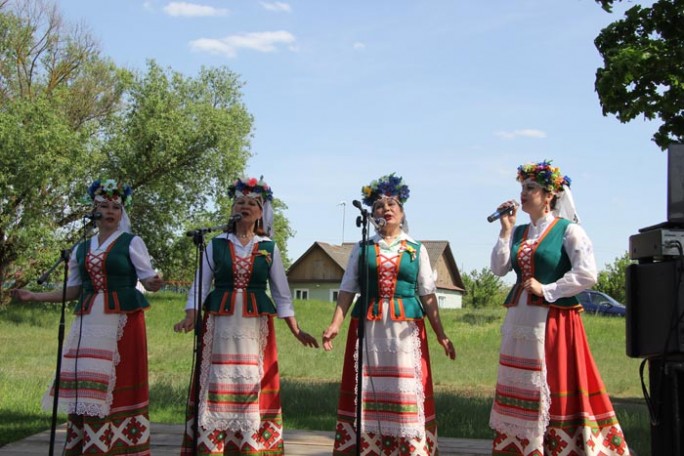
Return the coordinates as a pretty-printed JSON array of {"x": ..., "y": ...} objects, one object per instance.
[
  {"x": 306, "y": 339},
  {"x": 186, "y": 324},
  {"x": 449, "y": 349}
]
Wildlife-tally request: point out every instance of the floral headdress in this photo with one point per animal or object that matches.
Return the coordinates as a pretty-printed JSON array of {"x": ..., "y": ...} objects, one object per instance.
[
  {"x": 549, "y": 177},
  {"x": 386, "y": 186},
  {"x": 251, "y": 187},
  {"x": 110, "y": 188}
]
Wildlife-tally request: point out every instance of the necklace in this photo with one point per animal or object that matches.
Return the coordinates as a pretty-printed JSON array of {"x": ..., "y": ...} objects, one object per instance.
[
  {"x": 245, "y": 236},
  {"x": 389, "y": 237}
]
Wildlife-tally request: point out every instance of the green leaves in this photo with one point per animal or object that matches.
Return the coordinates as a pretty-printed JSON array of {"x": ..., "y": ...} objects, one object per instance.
[
  {"x": 483, "y": 289},
  {"x": 643, "y": 72}
]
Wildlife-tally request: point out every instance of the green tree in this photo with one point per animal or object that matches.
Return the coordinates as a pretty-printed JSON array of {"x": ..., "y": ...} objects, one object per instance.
[
  {"x": 642, "y": 71},
  {"x": 179, "y": 142},
  {"x": 611, "y": 280},
  {"x": 45, "y": 137},
  {"x": 68, "y": 115},
  {"x": 483, "y": 289}
]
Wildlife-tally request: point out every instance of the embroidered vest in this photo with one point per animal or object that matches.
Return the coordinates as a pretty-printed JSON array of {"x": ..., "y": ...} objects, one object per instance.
[
  {"x": 400, "y": 287},
  {"x": 111, "y": 273},
  {"x": 247, "y": 274},
  {"x": 546, "y": 261}
]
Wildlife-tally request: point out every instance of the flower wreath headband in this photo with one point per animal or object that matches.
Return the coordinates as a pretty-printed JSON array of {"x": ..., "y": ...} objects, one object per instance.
[
  {"x": 547, "y": 176},
  {"x": 110, "y": 189},
  {"x": 389, "y": 186},
  {"x": 259, "y": 190},
  {"x": 251, "y": 187}
]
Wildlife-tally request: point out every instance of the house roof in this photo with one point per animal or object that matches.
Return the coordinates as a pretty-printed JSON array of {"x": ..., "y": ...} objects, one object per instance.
[{"x": 339, "y": 254}]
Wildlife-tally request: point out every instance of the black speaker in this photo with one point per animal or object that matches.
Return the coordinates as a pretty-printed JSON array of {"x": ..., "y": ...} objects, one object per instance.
[
  {"x": 666, "y": 380},
  {"x": 655, "y": 309}
]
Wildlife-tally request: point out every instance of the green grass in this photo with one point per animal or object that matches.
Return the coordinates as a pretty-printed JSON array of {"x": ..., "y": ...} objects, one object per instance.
[{"x": 463, "y": 389}]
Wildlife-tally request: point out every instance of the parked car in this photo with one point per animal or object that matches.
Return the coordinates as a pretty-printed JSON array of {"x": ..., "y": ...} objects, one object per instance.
[{"x": 598, "y": 303}]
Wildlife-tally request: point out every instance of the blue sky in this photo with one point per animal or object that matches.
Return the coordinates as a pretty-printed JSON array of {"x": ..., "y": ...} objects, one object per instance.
[{"x": 451, "y": 95}]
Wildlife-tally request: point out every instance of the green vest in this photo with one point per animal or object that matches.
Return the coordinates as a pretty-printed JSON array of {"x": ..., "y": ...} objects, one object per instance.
[
  {"x": 550, "y": 262},
  {"x": 221, "y": 300},
  {"x": 120, "y": 293},
  {"x": 405, "y": 304}
]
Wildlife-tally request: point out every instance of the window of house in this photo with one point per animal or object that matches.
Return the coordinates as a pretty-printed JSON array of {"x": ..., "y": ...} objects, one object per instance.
[
  {"x": 333, "y": 295},
  {"x": 441, "y": 301},
  {"x": 301, "y": 293}
]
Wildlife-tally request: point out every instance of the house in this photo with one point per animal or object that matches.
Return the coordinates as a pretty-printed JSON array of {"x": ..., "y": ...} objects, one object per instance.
[{"x": 318, "y": 272}]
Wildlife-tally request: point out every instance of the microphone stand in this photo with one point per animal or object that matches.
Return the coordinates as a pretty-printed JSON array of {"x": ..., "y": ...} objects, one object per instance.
[
  {"x": 64, "y": 256},
  {"x": 198, "y": 239},
  {"x": 361, "y": 221}
]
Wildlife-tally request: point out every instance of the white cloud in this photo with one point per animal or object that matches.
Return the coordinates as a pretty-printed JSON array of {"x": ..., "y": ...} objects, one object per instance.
[
  {"x": 193, "y": 10},
  {"x": 279, "y": 7},
  {"x": 359, "y": 45},
  {"x": 524, "y": 133},
  {"x": 257, "y": 41}
]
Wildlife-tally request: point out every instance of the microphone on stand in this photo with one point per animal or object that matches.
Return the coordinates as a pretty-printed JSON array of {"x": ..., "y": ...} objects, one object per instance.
[
  {"x": 496, "y": 215},
  {"x": 223, "y": 228},
  {"x": 94, "y": 216},
  {"x": 378, "y": 222}
]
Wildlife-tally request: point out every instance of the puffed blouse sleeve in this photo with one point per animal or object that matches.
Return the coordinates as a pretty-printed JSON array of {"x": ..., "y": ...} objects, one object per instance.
[
  {"x": 583, "y": 273},
  {"x": 74, "y": 274},
  {"x": 141, "y": 258},
  {"x": 350, "y": 279},
  {"x": 500, "y": 259},
  {"x": 280, "y": 290},
  {"x": 206, "y": 279},
  {"x": 426, "y": 281}
]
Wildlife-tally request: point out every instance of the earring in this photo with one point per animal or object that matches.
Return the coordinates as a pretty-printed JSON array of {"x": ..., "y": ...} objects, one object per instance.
[{"x": 546, "y": 209}]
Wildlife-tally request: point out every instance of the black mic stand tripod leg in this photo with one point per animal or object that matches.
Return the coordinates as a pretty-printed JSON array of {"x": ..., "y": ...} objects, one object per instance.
[
  {"x": 63, "y": 258},
  {"x": 361, "y": 221},
  {"x": 198, "y": 239}
]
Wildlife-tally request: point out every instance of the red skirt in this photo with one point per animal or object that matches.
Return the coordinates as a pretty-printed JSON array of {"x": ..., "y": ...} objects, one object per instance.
[
  {"x": 374, "y": 409},
  {"x": 268, "y": 440},
  {"x": 126, "y": 430},
  {"x": 582, "y": 419}
]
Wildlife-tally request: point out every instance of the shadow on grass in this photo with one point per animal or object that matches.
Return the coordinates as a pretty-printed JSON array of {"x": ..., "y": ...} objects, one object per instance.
[
  {"x": 17, "y": 426},
  {"x": 478, "y": 319},
  {"x": 310, "y": 405},
  {"x": 313, "y": 405}
]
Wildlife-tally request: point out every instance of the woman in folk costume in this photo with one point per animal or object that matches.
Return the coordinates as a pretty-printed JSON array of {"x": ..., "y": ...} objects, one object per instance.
[
  {"x": 550, "y": 398},
  {"x": 103, "y": 380},
  {"x": 239, "y": 405},
  {"x": 398, "y": 416}
]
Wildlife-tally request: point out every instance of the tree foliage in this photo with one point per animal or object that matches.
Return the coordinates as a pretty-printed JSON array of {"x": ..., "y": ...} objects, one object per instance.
[
  {"x": 611, "y": 280},
  {"x": 68, "y": 115},
  {"x": 642, "y": 71},
  {"x": 483, "y": 289},
  {"x": 179, "y": 141},
  {"x": 40, "y": 147}
]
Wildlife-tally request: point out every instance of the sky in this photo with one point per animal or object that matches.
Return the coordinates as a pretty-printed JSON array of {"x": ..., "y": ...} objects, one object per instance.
[{"x": 451, "y": 95}]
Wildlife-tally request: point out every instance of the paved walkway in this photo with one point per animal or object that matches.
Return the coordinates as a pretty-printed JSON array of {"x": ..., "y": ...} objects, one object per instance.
[{"x": 166, "y": 441}]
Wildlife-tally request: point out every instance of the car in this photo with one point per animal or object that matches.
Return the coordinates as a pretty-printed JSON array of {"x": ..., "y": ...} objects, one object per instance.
[{"x": 598, "y": 303}]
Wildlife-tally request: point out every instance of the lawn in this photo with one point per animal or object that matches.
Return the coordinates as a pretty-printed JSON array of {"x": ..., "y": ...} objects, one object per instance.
[{"x": 28, "y": 343}]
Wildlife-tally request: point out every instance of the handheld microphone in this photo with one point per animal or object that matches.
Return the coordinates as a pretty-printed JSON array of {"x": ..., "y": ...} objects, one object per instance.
[
  {"x": 94, "y": 216},
  {"x": 496, "y": 215},
  {"x": 378, "y": 222}
]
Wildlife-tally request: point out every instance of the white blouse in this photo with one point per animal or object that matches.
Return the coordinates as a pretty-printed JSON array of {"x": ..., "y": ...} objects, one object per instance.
[
  {"x": 280, "y": 290},
  {"x": 426, "y": 282},
  {"x": 137, "y": 251},
  {"x": 583, "y": 273}
]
